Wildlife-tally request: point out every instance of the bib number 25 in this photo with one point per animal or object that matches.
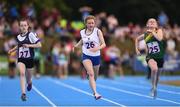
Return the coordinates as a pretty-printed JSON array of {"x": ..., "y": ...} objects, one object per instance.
[{"x": 153, "y": 47}]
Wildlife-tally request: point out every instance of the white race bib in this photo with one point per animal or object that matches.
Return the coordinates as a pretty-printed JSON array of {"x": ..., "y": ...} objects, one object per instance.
[
  {"x": 89, "y": 44},
  {"x": 24, "y": 52},
  {"x": 153, "y": 47}
]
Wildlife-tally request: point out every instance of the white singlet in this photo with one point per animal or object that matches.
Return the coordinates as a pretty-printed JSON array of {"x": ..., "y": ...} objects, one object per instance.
[{"x": 90, "y": 41}]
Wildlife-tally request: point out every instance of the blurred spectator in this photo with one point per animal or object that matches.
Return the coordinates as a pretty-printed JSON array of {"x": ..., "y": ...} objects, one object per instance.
[
  {"x": 115, "y": 63},
  {"x": 176, "y": 30},
  {"x": 28, "y": 11},
  {"x": 13, "y": 12},
  {"x": 102, "y": 18},
  {"x": 55, "y": 14},
  {"x": 55, "y": 54},
  {"x": 31, "y": 13},
  {"x": 2, "y": 5},
  {"x": 11, "y": 57},
  {"x": 126, "y": 59},
  {"x": 112, "y": 23},
  {"x": 2, "y": 28},
  {"x": 163, "y": 19},
  {"x": 40, "y": 32},
  {"x": 75, "y": 63},
  {"x": 106, "y": 61},
  {"x": 121, "y": 32},
  {"x": 15, "y": 28},
  {"x": 171, "y": 45},
  {"x": 136, "y": 31},
  {"x": 85, "y": 11},
  {"x": 51, "y": 25},
  {"x": 37, "y": 63},
  {"x": 63, "y": 61},
  {"x": 46, "y": 25}
]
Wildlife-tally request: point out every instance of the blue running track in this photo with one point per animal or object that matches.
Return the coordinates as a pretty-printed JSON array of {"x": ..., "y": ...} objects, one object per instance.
[{"x": 73, "y": 91}]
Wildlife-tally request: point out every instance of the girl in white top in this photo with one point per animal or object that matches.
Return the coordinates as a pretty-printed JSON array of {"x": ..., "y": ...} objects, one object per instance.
[{"x": 92, "y": 42}]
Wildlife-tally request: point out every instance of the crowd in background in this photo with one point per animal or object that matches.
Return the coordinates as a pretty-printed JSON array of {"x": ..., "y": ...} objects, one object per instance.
[{"x": 58, "y": 35}]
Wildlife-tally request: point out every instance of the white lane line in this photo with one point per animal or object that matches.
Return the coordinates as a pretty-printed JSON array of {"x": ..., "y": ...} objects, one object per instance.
[
  {"x": 129, "y": 92},
  {"x": 137, "y": 94},
  {"x": 144, "y": 87},
  {"x": 81, "y": 91},
  {"x": 42, "y": 95},
  {"x": 145, "y": 83}
]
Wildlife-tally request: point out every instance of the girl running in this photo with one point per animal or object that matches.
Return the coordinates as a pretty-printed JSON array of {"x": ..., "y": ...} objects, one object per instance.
[
  {"x": 27, "y": 41},
  {"x": 155, "y": 51},
  {"x": 92, "y": 42}
]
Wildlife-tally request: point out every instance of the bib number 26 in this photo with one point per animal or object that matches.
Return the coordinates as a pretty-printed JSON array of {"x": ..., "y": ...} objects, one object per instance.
[{"x": 90, "y": 45}]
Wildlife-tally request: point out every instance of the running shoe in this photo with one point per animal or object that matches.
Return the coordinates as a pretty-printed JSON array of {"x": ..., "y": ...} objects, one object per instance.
[
  {"x": 97, "y": 96},
  {"x": 23, "y": 97},
  {"x": 154, "y": 93},
  {"x": 29, "y": 87}
]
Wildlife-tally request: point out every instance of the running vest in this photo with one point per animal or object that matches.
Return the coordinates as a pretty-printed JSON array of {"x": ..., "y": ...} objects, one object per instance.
[
  {"x": 25, "y": 53},
  {"x": 155, "y": 47},
  {"x": 90, "y": 41}
]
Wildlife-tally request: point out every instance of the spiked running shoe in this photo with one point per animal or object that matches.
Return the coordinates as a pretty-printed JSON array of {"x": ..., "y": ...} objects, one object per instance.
[
  {"x": 23, "y": 97},
  {"x": 29, "y": 87},
  {"x": 97, "y": 96}
]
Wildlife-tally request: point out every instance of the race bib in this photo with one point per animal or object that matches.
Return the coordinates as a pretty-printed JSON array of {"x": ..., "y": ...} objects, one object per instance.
[
  {"x": 153, "y": 47},
  {"x": 90, "y": 45},
  {"x": 24, "y": 52}
]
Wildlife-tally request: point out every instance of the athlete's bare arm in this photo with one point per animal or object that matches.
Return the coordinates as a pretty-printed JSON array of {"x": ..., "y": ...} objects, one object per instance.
[
  {"x": 158, "y": 34},
  {"x": 141, "y": 37},
  {"x": 101, "y": 38},
  {"x": 77, "y": 44},
  {"x": 12, "y": 50},
  {"x": 37, "y": 45}
]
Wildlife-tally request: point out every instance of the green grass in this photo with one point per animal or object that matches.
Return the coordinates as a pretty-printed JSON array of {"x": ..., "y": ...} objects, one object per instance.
[{"x": 3, "y": 65}]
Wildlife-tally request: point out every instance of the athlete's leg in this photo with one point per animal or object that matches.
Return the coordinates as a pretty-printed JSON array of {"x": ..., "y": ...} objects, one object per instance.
[
  {"x": 158, "y": 75},
  {"x": 148, "y": 73},
  {"x": 89, "y": 68},
  {"x": 96, "y": 71},
  {"x": 29, "y": 78},
  {"x": 154, "y": 71},
  {"x": 22, "y": 69},
  {"x": 29, "y": 75}
]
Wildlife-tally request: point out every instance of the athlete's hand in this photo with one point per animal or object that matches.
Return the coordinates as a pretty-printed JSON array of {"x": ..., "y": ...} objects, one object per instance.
[
  {"x": 138, "y": 52},
  {"x": 26, "y": 45},
  {"x": 149, "y": 30},
  {"x": 154, "y": 32},
  {"x": 94, "y": 49},
  {"x": 10, "y": 51}
]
